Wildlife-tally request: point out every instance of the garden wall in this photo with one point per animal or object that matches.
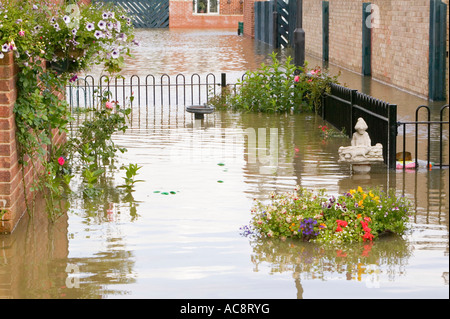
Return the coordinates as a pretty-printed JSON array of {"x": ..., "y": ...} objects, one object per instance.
[{"x": 12, "y": 174}]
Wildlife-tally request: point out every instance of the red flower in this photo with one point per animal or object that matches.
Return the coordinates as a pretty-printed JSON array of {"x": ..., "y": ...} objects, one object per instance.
[
  {"x": 61, "y": 161},
  {"x": 338, "y": 229},
  {"x": 365, "y": 226},
  {"x": 342, "y": 223},
  {"x": 367, "y": 236}
]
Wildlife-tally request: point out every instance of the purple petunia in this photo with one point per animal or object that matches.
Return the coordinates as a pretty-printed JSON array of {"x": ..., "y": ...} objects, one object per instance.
[
  {"x": 102, "y": 25},
  {"x": 5, "y": 47},
  {"x": 98, "y": 34},
  {"x": 115, "y": 53},
  {"x": 90, "y": 26}
]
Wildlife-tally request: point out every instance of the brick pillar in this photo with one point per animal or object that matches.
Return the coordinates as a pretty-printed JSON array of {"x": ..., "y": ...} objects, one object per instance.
[
  {"x": 249, "y": 18},
  {"x": 9, "y": 168},
  {"x": 12, "y": 198}
]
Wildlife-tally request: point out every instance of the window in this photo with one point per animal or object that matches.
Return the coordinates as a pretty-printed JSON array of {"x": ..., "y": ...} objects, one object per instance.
[{"x": 206, "y": 6}]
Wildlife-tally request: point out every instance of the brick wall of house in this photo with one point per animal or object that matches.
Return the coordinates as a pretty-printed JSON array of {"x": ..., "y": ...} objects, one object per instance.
[
  {"x": 181, "y": 15},
  {"x": 400, "y": 44},
  {"x": 312, "y": 24}
]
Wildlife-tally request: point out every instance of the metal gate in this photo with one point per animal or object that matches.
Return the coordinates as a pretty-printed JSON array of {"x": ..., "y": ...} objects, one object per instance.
[
  {"x": 146, "y": 13},
  {"x": 286, "y": 22},
  {"x": 275, "y": 22}
]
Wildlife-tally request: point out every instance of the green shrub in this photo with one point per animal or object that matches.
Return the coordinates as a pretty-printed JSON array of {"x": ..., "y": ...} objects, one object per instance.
[{"x": 280, "y": 88}]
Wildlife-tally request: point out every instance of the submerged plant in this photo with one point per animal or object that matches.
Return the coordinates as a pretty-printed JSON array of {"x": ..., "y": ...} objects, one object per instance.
[{"x": 130, "y": 174}]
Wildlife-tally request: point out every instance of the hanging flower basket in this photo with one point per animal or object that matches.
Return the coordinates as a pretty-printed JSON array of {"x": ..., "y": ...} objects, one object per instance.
[{"x": 67, "y": 61}]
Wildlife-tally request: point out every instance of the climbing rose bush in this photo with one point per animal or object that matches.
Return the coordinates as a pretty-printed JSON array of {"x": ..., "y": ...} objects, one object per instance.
[{"x": 354, "y": 216}]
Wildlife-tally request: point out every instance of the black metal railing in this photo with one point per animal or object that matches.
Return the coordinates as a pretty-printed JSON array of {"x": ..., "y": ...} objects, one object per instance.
[
  {"x": 157, "y": 97},
  {"x": 147, "y": 91},
  {"x": 428, "y": 123},
  {"x": 343, "y": 106}
]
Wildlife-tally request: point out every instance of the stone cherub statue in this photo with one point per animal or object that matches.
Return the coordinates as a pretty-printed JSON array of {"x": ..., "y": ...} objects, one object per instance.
[{"x": 361, "y": 150}]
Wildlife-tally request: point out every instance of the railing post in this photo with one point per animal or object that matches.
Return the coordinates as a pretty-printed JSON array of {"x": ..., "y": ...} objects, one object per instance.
[
  {"x": 299, "y": 37},
  {"x": 275, "y": 28},
  {"x": 352, "y": 102},
  {"x": 441, "y": 119},
  {"x": 223, "y": 80},
  {"x": 366, "y": 40},
  {"x": 392, "y": 136},
  {"x": 325, "y": 29}
]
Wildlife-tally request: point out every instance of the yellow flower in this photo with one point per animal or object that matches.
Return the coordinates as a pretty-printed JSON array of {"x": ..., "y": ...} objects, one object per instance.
[
  {"x": 352, "y": 191},
  {"x": 364, "y": 196},
  {"x": 371, "y": 194},
  {"x": 360, "y": 189},
  {"x": 360, "y": 203},
  {"x": 358, "y": 216}
]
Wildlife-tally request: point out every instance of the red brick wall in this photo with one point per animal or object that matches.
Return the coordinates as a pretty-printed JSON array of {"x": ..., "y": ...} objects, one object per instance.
[
  {"x": 12, "y": 177},
  {"x": 234, "y": 7},
  {"x": 249, "y": 18},
  {"x": 399, "y": 43},
  {"x": 181, "y": 16},
  {"x": 11, "y": 194}
]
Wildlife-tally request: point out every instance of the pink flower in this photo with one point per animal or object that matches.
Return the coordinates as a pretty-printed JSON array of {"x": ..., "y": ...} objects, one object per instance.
[
  {"x": 21, "y": 33},
  {"x": 313, "y": 72},
  {"x": 296, "y": 78},
  {"x": 61, "y": 161},
  {"x": 109, "y": 105}
]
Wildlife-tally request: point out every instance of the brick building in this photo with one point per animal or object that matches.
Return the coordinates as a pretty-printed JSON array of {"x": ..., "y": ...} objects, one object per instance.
[
  {"x": 205, "y": 13},
  {"x": 399, "y": 42}
]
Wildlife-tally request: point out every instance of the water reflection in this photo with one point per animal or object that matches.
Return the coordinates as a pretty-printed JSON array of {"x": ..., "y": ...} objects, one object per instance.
[{"x": 369, "y": 263}]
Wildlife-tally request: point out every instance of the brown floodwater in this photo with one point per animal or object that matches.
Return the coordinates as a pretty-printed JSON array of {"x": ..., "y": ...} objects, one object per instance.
[{"x": 178, "y": 234}]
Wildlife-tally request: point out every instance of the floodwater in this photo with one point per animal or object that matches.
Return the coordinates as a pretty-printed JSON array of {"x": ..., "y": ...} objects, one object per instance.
[{"x": 177, "y": 235}]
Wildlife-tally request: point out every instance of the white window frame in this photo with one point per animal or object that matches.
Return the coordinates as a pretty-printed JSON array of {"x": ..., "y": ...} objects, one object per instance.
[{"x": 209, "y": 6}]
